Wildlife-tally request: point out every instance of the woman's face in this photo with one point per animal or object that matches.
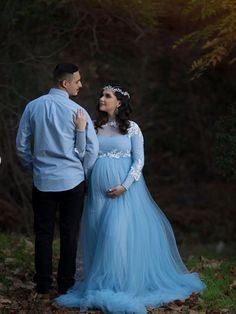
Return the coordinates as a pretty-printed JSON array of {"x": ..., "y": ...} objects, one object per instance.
[{"x": 108, "y": 102}]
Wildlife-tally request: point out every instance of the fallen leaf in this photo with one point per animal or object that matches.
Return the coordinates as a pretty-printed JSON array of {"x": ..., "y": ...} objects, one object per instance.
[
  {"x": 4, "y": 300},
  {"x": 179, "y": 302},
  {"x": 212, "y": 264},
  {"x": 192, "y": 300},
  {"x": 18, "y": 284},
  {"x": 219, "y": 276},
  {"x": 226, "y": 292},
  {"x": 174, "y": 307},
  {"x": 28, "y": 244},
  {"x": 233, "y": 285},
  {"x": 7, "y": 252}
]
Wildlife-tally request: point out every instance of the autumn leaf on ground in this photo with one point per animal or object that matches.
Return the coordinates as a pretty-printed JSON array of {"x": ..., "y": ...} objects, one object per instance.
[
  {"x": 174, "y": 307},
  {"x": 211, "y": 264},
  {"x": 219, "y": 276},
  {"x": 4, "y": 301},
  {"x": 232, "y": 286},
  {"x": 233, "y": 270}
]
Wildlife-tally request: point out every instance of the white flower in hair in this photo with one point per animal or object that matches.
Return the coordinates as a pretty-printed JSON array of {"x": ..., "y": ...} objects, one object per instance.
[{"x": 117, "y": 89}]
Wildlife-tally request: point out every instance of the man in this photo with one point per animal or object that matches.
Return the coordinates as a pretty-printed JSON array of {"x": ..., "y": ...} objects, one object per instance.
[{"x": 59, "y": 156}]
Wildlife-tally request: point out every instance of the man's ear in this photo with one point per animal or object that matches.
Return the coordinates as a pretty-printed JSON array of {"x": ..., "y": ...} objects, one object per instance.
[{"x": 64, "y": 83}]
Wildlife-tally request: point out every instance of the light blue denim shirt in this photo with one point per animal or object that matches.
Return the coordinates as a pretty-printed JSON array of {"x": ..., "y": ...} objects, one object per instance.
[{"x": 49, "y": 145}]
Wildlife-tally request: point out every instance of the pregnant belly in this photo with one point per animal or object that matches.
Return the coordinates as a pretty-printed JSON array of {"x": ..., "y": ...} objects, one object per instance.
[{"x": 109, "y": 172}]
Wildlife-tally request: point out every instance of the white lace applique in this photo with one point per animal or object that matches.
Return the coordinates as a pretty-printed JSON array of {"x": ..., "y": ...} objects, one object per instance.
[
  {"x": 134, "y": 129},
  {"x": 114, "y": 154},
  {"x": 111, "y": 123},
  {"x": 136, "y": 170}
]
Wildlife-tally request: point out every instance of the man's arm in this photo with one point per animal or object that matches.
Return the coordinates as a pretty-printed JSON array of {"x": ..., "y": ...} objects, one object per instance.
[{"x": 23, "y": 141}]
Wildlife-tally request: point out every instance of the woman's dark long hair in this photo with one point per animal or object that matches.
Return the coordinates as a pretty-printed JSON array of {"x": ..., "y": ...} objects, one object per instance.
[{"x": 123, "y": 111}]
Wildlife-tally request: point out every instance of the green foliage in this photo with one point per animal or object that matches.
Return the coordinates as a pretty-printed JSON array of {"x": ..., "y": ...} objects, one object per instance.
[{"x": 214, "y": 32}]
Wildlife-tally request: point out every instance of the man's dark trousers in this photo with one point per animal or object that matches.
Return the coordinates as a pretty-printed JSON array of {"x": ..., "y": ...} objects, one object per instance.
[{"x": 45, "y": 205}]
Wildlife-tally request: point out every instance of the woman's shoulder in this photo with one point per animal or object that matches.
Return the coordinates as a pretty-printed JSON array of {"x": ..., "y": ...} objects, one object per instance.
[
  {"x": 134, "y": 129},
  {"x": 133, "y": 124}
]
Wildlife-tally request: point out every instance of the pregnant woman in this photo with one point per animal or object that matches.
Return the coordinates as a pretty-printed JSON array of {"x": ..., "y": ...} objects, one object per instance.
[{"x": 129, "y": 253}]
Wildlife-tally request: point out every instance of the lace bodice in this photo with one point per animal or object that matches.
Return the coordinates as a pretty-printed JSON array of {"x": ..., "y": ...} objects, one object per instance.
[{"x": 112, "y": 144}]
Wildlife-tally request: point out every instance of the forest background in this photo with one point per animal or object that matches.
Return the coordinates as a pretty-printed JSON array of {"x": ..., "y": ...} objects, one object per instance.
[{"x": 177, "y": 59}]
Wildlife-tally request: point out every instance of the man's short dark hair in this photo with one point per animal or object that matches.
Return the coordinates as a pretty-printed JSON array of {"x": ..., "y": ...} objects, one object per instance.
[{"x": 62, "y": 70}]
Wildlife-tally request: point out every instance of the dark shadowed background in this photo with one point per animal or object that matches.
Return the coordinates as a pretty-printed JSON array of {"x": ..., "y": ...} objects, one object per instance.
[{"x": 186, "y": 110}]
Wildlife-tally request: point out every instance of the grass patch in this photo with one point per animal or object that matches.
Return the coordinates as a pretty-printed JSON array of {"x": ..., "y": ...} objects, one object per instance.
[{"x": 17, "y": 290}]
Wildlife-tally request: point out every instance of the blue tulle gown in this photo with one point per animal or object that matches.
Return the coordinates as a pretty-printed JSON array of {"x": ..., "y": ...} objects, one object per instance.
[{"x": 129, "y": 253}]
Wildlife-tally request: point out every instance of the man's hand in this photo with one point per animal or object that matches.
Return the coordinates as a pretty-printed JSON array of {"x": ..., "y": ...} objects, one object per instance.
[
  {"x": 116, "y": 191},
  {"x": 80, "y": 120}
]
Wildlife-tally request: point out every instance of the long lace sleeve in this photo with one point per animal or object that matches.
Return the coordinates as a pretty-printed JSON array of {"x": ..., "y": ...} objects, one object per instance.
[{"x": 137, "y": 152}]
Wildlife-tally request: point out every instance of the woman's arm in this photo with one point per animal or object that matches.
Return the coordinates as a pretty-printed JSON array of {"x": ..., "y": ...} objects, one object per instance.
[
  {"x": 135, "y": 171},
  {"x": 137, "y": 151}
]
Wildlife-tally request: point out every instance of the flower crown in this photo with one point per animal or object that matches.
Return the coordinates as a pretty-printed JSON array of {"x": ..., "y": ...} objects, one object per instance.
[{"x": 117, "y": 89}]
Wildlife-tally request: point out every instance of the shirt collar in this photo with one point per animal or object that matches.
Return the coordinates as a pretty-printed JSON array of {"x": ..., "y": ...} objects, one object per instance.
[{"x": 59, "y": 92}]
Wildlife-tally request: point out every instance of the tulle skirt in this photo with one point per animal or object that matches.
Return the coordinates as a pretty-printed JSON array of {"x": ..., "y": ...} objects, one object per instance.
[{"x": 129, "y": 253}]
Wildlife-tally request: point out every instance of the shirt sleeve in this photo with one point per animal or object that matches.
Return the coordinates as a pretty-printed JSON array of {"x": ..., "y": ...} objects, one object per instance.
[
  {"x": 24, "y": 141},
  {"x": 137, "y": 153},
  {"x": 91, "y": 148}
]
